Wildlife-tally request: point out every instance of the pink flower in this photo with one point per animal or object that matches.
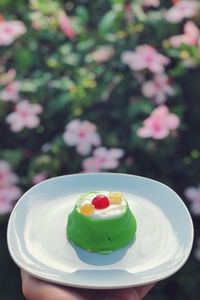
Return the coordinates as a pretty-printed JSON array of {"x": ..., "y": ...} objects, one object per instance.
[
  {"x": 182, "y": 9},
  {"x": 189, "y": 37},
  {"x": 25, "y": 115},
  {"x": 7, "y": 177},
  {"x": 91, "y": 164},
  {"x": 158, "y": 89},
  {"x": 145, "y": 57},
  {"x": 159, "y": 124},
  {"x": 8, "y": 191},
  {"x": 10, "y": 30},
  {"x": 103, "y": 159},
  {"x": 7, "y": 197},
  {"x": 102, "y": 54},
  {"x": 197, "y": 250},
  {"x": 11, "y": 92},
  {"x": 149, "y": 3},
  {"x": 66, "y": 25},
  {"x": 81, "y": 134},
  {"x": 193, "y": 194},
  {"x": 39, "y": 177}
]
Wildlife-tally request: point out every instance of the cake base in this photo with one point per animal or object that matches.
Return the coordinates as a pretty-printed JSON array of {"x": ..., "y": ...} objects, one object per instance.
[{"x": 101, "y": 236}]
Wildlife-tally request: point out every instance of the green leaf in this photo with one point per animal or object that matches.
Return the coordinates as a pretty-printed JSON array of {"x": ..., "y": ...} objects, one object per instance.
[
  {"x": 118, "y": 2},
  {"x": 5, "y": 2},
  {"x": 86, "y": 44},
  {"x": 24, "y": 58},
  {"x": 107, "y": 21},
  {"x": 14, "y": 157},
  {"x": 178, "y": 71},
  {"x": 82, "y": 14}
]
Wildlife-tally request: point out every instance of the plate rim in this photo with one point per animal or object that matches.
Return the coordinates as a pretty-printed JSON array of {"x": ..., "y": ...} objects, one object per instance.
[{"x": 99, "y": 286}]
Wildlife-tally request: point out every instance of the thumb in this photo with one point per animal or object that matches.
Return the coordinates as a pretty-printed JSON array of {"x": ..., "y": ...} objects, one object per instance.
[
  {"x": 124, "y": 294},
  {"x": 137, "y": 293},
  {"x": 34, "y": 289}
]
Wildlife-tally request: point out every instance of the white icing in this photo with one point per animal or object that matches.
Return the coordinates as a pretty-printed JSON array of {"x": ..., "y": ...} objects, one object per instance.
[{"x": 113, "y": 210}]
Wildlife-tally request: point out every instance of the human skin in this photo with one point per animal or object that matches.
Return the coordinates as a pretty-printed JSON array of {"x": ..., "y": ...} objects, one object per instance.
[{"x": 36, "y": 289}]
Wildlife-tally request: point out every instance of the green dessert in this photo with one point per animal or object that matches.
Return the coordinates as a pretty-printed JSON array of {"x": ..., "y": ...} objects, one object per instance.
[{"x": 101, "y": 222}]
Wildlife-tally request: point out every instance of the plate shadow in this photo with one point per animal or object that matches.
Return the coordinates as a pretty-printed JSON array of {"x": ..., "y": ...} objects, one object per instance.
[{"x": 97, "y": 259}]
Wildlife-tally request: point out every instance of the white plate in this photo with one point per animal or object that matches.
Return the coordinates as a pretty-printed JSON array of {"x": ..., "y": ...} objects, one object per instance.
[{"x": 37, "y": 240}]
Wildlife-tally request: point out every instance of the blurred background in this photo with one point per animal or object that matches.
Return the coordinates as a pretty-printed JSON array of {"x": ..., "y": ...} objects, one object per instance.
[{"x": 90, "y": 86}]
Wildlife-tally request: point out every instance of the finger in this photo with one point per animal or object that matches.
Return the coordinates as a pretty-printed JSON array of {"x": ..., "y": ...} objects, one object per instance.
[
  {"x": 137, "y": 293},
  {"x": 34, "y": 289},
  {"x": 143, "y": 290},
  {"x": 125, "y": 294}
]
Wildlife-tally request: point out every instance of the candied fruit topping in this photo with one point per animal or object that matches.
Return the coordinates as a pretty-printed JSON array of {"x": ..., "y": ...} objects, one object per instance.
[
  {"x": 115, "y": 197},
  {"x": 87, "y": 209},
  {"x": 100, "y": 202}
]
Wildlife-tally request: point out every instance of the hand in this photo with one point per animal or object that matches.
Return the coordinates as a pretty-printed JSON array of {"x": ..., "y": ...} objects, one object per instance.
[{"x": 35, "y": 289}]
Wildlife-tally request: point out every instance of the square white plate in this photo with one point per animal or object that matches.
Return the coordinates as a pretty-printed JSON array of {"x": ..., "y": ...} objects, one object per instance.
[{"x": 37, "y": 233}]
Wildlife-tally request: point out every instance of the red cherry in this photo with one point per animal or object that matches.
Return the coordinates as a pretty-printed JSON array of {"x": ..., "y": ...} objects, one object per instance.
[{"x": 100, "y": 202}]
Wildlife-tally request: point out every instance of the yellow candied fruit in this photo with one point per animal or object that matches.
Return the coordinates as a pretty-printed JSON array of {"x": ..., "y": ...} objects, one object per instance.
[
  {"x": 87, "y": 209},
  {"x": 115, "y": 197}
]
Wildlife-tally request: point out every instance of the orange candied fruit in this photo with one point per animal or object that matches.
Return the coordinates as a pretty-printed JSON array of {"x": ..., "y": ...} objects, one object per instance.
[
  {"x": 115, "y": 197},
  {"x": 87, "y": 209}
]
